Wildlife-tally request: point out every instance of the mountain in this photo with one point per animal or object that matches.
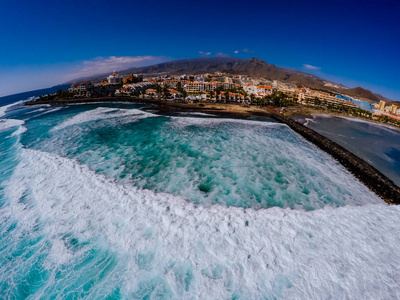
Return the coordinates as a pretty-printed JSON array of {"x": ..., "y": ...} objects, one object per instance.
[
  {"x": 359, "y": 92},
  {"x": 252, "y": 67},
  {"x": 380, "y": 97}
]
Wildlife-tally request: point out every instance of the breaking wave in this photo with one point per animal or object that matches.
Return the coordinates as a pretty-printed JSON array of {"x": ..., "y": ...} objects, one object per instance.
[
  {"x": 3, "y": 109},
  {"x": 86, "y": 235},
  {"x": 83, "y": 224},
  {"x": 102, "y": 113}
]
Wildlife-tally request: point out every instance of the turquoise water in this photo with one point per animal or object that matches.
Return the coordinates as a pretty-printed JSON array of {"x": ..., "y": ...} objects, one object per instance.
[
  {"x": 108, "y": 201},
  {"x": 205, "y": 160}
]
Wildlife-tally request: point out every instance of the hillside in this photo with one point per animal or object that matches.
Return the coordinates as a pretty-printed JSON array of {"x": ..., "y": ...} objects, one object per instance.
[{"x": 252, "y": 67}]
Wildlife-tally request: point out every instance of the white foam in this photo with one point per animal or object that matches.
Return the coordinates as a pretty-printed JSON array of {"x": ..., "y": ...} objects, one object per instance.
[
  {"x": 6, "y": 124},
  {"x": 44, "y": 111},
  {"x": 102, "y": 113},
  {"x": 308, "y": 120},
  {"x": 341, "y": 253},
  {"x": 324, "y": 116},
  {"x": 197, "y": 114},
  {"x": 36, "y": 110},
  {"x": 22, "y": 129},
  {"x": 3, "y": 109},
  {"x": 187, "y": 121}
]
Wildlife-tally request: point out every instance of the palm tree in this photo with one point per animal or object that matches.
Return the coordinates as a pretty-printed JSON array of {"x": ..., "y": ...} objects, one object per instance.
[
  {"x": 226, "y": 96},
  {"x": 211, "y": 95},
  {"x": 159, "y": 91},
  {"x": 165, "y": 92}
]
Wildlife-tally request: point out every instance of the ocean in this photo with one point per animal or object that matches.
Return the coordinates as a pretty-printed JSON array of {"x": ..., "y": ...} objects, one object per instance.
[
  {"x": 110, "y": 201},
  {"x": 377, "y": 144}
]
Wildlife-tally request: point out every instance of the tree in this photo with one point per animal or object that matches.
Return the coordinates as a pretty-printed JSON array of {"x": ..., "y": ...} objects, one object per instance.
[
  {"x": 218, "y": 91},
  {"x": 211, "y": 95},
  {"x": 226, "y": 96},
  {"x": 165, "y": 91},
  {"x": 159, "y": 91},
  {"x": 184, "y": 94}
]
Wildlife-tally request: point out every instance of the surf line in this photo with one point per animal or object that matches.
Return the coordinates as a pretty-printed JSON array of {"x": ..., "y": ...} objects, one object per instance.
[{"x": 363, "y": 171}]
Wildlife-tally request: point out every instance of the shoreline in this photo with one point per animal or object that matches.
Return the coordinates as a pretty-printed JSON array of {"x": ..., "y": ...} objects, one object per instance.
[
  {"x": 308, "y": 112},
  {"x": 186, "y": 106},
  {"x": 363, "y": 171}
]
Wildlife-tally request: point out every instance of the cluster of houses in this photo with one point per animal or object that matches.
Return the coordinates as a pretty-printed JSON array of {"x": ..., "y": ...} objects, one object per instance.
[
  {"x": 87, "y": 89},
  {"x": 207, "y": 87}
]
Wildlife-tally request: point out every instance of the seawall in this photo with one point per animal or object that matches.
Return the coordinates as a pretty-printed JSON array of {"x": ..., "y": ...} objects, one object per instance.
[{"x": 363, "y": 171}]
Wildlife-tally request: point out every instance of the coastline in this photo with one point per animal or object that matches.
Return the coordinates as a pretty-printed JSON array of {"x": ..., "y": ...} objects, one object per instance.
[
  {"x": 363, "y": 171},
  {"x": 298, "y": 113},
  {"x": 162, "y": 106}
]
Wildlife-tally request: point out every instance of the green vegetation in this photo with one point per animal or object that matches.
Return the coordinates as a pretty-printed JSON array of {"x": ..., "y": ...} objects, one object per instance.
[
  {"x": 276, "y": 99},
  {"x": 386, "y": 120},
  {"x": 337, "y": 107},
  {"x": 59, "y": 95},
  {"x": 181, "y": 90}
]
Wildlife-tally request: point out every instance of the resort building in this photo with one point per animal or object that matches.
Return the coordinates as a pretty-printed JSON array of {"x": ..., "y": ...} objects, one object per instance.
[
  {"x": 265, "y": 89},
  {"x": 394, "y": 109},
  {"x": 114, "y": 78},
  {"x": 258, "y": 91},
  {"x": 382, "y": 105},
  {"x": 305, "y": 94},
  {"x": 199, "y": 86},
  {"x": 81, "y": 90}
]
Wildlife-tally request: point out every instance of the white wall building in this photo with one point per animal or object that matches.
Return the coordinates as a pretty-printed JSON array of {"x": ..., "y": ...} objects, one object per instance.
[{"x": 114, "y": 78}]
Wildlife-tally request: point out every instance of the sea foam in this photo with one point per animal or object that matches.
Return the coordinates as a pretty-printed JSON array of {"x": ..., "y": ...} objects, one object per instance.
[
  {"x": 208, "y": 161},
  {"x": 3, "y": 109},
  {"x": 188, "y": 121},
  {"x": 6, "y": 124},
  {"x": 163, "y": 246},
  {"x": 102, "y": 113}
]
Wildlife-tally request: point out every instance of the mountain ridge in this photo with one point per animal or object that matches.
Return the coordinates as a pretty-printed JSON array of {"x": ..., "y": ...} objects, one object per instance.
[{"x": 254, "y": 67}]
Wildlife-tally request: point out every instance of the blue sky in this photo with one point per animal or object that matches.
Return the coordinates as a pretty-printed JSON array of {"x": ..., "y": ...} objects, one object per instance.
[{"x": 43, "y": 43}]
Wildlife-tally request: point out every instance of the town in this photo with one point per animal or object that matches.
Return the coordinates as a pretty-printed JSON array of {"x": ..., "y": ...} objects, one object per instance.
[{"x": 227, "y": 88}]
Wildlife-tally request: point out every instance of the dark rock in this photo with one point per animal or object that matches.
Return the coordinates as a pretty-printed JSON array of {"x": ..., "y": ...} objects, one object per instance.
[{"x": 367, "y": 174}]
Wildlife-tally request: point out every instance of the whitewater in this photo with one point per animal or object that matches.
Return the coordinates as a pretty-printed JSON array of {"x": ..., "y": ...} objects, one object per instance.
[{"x": 114, "y": 202}]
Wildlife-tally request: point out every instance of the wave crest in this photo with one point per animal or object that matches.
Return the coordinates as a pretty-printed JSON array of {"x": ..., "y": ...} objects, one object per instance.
[{"x": 168, "y": 246}]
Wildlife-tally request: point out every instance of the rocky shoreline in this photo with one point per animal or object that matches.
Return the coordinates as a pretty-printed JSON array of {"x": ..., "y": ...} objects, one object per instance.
[
  {"x": 363, "y": 171},
  {"x": 367, "y": 174}
]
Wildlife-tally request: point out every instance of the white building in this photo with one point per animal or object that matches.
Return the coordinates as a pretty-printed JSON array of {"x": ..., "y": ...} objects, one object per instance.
[
  {"x": 82, "y": 89},
  {"x": 114, "y": 78},
  {"x": 199, "y": 86},
  {"x": 258, "y": 91}
]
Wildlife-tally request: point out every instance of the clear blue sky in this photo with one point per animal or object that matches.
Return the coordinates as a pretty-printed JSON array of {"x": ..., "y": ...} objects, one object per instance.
[{"x": 43, "y": 43}]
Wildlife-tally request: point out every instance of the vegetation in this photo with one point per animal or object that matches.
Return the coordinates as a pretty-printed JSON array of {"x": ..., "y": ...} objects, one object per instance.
[
  {"x": 337, "y": 107},
  {"x": 60, "y": 94},
  {"x": 386, "y": 120},
  {"x": 181, "y": 90},
  {"x": 276, "y": 99}
]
